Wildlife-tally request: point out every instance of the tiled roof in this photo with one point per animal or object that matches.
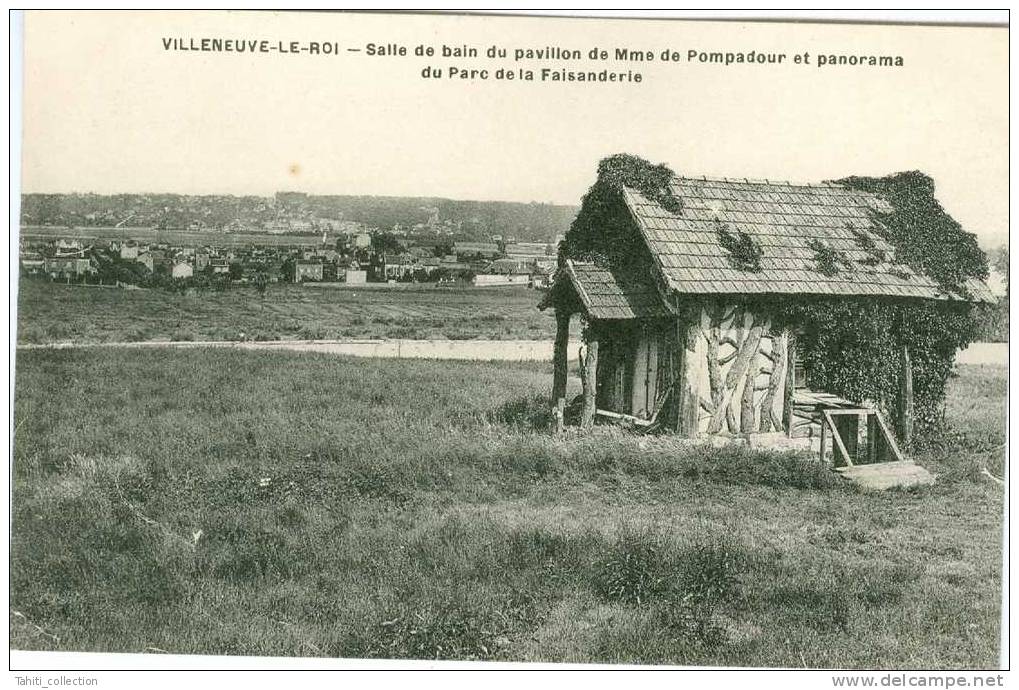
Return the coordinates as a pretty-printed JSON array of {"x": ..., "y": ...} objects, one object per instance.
[
  {"x": 608, "y": 294},
  {"x": 784, "y": 219}
]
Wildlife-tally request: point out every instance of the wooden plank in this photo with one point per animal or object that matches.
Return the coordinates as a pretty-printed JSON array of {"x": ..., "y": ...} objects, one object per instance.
[
  {"x": 873, "y": 439},
  {"x": 653, "y": 394},
  {"x": 889, "y": 439},
  {"x": 686, "y": 396},
  {"x": 790, "y": 381},
  {"x": 714, "y": 365},
  {"x": 838, "y": 439},
  {"x": 638, "y": 388},
  {"x": 609, "y": 414},
  {"x": 590, "y": 379},
  {"x": 824, "y": 440},
  {"x": 692, "y": 366}
]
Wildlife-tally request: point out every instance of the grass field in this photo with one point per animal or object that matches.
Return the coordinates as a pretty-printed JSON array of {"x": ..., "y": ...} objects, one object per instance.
[
  {"x": 52, "y": 312},
  {"x": 225, "y": 502}
]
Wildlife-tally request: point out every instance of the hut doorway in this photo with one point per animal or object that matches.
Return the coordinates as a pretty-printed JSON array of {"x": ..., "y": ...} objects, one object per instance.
[{"x": 635, "y": 367}]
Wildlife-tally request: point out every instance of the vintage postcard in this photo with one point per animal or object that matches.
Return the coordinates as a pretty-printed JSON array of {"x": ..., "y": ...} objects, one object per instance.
[{"x": 391, "y": 338}]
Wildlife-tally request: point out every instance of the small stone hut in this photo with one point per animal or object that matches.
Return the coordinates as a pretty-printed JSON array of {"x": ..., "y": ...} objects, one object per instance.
[{"x": 673, "y": 341}]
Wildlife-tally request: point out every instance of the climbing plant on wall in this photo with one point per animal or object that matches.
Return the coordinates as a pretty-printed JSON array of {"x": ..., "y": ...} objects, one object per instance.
[
  {"x": 603, "y": 230},
  {"x": 925, "y": 237}
]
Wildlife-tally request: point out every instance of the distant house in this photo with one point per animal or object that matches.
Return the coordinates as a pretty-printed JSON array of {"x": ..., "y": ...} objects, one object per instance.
[
  {"x": 68, "y": 265},
  {"x": 510, "y": 266},
  {"x": 362, "y": 240},
  {"x": 182, "y": 270},
  {"x": 129, "y": 251},
  {"x": 32, "y": 263},
  {"x": 355, "y": 277},
  {"x": 307, "y": 271},
  {"x": 494, "y": 280},
  {"x": 219, "y": 266},
  {"x": 146, "y": 260}
]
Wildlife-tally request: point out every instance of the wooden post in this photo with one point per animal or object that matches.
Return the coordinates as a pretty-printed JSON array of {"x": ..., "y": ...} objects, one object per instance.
[
  {"x": 558, "y": 418},
  {"x": 560, "y": 364},
  {"x": 590, "y": 381},
  {"x": 638, "y": 389},
  {"x": 685, "y": 396},
  {"x": 824, "y": 438},
  {"x": 873, "y": 439},
  {"x": 790, "y": 384},
  {"x": 678, "y": 365},
  {"x": 906, "y": 400}
]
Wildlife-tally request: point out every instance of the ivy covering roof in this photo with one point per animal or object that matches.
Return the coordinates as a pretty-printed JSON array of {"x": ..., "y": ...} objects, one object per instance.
[{"x": 789, "y": 222}]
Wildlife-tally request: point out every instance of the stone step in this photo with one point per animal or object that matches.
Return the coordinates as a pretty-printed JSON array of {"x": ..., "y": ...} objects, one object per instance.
[{"x": 886, "y": 475}]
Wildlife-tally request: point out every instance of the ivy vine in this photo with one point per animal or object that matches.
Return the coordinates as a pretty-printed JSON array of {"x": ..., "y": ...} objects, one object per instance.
[
  {"x": 851, "y": 347},
  {"x": 925, "y": 237},
  {"x": 603, "y": 230},
  {"x": 865, "y": 242},
  {"x": 744, "y": 251},
  {"x": 828, "y": 261}
]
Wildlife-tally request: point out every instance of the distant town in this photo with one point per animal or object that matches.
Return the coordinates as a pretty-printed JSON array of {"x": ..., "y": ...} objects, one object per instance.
[{"x": 178, "y": 241}]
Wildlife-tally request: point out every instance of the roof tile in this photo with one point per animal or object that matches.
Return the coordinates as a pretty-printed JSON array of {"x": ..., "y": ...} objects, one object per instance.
[{"x": 784, "y": 219}]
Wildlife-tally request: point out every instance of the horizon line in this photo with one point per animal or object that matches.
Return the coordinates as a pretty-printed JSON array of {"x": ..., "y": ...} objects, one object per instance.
[{"x": 296, "y": 191}]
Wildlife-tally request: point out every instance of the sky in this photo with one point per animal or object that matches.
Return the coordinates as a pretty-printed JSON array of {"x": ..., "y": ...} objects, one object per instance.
[{"x": 108, "y": 110}]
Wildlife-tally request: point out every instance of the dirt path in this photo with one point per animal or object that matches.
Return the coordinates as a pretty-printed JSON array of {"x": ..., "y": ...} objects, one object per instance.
[{"x": 480, "y": 350}]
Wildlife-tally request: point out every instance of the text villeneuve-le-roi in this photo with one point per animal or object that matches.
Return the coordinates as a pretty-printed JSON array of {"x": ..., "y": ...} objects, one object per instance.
[{"x": 572, "y": 61}]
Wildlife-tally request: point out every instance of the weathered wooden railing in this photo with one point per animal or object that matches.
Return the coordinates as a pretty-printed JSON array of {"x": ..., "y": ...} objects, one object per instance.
[{"x": 843, "y": 426}]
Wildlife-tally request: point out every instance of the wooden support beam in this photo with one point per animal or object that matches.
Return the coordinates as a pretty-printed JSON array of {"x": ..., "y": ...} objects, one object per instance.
[
  {"x": 889, "y": 439},
  {"x": 824, "y": 439},
  {"x": 620, "y": 417},
  {"x": 874, "y": 453},
  {"x": 560, "y": 357},
  {"x": 906, "y": 399},
  {"x": 790, "y": 381},
  {"x": 846, "y": 457},
  {"x": 590, "y": 381},
  {"x": 687, "y": 398}
]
